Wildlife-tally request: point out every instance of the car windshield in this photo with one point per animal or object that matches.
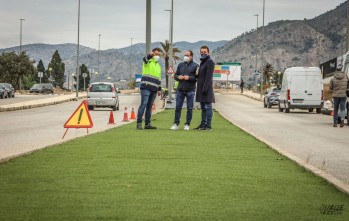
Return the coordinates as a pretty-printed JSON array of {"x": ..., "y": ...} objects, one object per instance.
[
  {"x": 37, "y": 86},
  {"x": 101, "y": 88}
]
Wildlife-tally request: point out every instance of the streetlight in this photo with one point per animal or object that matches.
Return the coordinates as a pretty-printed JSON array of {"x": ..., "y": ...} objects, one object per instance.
[
  {"x": 256, "y": 43},
  {"x": 108, "y": 78},
  {"x": 20, "y": 49},
  {"x": 262, "y": 50},
  {"x": 279, "y": 79},
  {"x": 171, "y": 53},
  {"x": 50, "y": 70},
  {"x": 77, "y": 56},
  {"x": 131, "y": 62},
  {"x": 72, "y": 81},
  {"x": 99, "y": 45}
]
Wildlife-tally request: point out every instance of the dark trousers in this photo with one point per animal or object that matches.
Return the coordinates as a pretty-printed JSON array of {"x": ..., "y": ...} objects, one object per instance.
[
  {"x": 338, "y": 102},
  {"x": 147, "y": 100},
  {"x": 206, "y": 114},
  {"x": 180, "y": 96}
]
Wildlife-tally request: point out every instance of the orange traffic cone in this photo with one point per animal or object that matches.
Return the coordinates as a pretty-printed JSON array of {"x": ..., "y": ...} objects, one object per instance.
[
  {"x": 111, "y": 118},
  {"x": 331, "y": 113},
  {"x": 133, "y": 115},
  {"x": 125, "y": 115}
]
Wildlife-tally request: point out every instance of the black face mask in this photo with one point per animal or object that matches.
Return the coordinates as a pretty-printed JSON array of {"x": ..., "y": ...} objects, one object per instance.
[{"x": 203, "y": 56}]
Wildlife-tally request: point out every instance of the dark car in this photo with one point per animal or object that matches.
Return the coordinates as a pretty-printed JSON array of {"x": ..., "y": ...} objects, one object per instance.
[
  {"x": 42, "y": 88},
  {"x": 271, "y": 97},
  {"x": 10, "y": 89},
  {"x": 3, "y": 91}
]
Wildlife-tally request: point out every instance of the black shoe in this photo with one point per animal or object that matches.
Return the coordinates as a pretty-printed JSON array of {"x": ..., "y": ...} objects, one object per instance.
[
  {"x": 139, "y": 126},
  {"x": 149, "y": 126},
  {"x": 208, "y": 128},
  {"x": 334, "y": 125},
  {"x": 342, "y": 123},
  {"x": 200, "y": 127}
]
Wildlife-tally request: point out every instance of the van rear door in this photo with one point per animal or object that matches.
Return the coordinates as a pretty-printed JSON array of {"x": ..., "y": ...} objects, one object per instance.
[
  {"x": 313, "y": 89},
  {"x": 297, "y": 88}
]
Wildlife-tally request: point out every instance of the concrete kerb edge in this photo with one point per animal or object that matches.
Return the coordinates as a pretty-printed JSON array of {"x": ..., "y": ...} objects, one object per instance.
[{"x": 329, "y": 178}]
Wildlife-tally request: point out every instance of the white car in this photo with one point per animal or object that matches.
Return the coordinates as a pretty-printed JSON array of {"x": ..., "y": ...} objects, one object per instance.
[{"x": 102, "y": 94}]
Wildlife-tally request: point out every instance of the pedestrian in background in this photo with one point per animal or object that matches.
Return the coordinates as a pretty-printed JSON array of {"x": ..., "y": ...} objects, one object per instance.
[
  {"x": 150, "y": 85},
  {"x": 242, "y": 83},
  {"x": 338, "y": 86},
  {"x": 204, "y": 91},
  {"x": 186, "y": 78}
]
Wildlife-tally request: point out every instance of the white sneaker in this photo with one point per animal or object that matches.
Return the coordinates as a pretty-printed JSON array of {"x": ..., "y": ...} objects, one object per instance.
[
  {"x": 174, "y": 127},
  {"x": 186, "y": 127}
]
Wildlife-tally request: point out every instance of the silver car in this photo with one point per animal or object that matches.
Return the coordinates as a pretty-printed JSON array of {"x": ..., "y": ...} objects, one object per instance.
[{"x": 102, "y": 94}]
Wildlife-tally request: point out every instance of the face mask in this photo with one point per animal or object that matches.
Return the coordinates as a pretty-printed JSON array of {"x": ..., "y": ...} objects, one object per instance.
[
  {"x": 186, "y": 58},
  {"x": 203, "y": 56},
  {"x": 156, "y": 57}
]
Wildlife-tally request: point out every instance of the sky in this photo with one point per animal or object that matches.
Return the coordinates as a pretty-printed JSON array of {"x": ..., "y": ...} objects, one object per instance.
[{"x": 117, "y": 21}]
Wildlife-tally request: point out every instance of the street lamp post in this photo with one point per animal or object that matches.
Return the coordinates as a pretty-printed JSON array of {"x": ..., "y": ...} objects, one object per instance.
[
  {"x": 77, "y": 56},
  {"x": 171, "y": 53},
  {"x": 99, "y": 45},
  {"x": 131, "y": 62},
  {"x": 262, "y": 51},
  {"x": 50, "y": 70},
  {"x": 20, "y": 49},
  {"x": 72, "y": 81},
  {"x": 256, "y": 44}
]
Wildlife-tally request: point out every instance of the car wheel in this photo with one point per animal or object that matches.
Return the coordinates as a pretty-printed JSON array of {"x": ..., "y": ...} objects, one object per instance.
[
  {"x": 311, "y": 110},
  {"x": 318, "y": 110},
  {"x": 268, "y": 104},
  {"x": 287, "y": 109},
  {"x": 114, "y": 108},
  {"x": 90, "y": 107}
]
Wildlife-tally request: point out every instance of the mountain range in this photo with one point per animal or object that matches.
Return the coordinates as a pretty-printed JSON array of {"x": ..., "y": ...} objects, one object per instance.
[{"x": 307, "y": 42}]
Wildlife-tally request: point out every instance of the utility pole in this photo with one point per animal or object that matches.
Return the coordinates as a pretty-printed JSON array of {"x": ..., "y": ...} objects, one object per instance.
[
  {"x": 263, "y": 51},
  {"x": 256, "y": 44},
  {"x": 77, "y": 57},
  {"x": 171, "y": 56},
  {"x": 20, "y": 50},
  {"x": 148, "y": 27},
  {"x": 99, "y": 47}
]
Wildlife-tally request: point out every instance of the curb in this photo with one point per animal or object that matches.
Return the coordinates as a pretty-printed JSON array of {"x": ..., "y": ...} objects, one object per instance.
[
  {"x": 29, "y": 105},
  {"x": 329, "y": 178}
]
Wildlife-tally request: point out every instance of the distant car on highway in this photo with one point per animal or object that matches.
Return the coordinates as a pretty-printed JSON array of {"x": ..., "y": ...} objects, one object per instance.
[
  {"x": 271, "y": 97},
  {"x": 42, "y": 88},
  {"x": 102, "y": 94},
  {"x": 3, "y": 91},
  {"x": 10, "y": 89}
]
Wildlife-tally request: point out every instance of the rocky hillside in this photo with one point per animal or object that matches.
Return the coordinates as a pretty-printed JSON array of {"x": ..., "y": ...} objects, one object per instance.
[{"x": 289, "y": 43}]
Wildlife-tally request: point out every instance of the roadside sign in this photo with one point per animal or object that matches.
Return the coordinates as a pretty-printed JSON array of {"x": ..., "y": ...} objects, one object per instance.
[
  {"x": 80, "y": 118},
  {"x": 170, "y": 70},
  {"x": 84, "y": 75},
  {"x": 40, "y": 74}
]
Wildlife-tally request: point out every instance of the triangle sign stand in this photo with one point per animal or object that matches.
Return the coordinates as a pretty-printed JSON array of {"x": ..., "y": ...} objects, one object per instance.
[{"x": 79, "y": 119}]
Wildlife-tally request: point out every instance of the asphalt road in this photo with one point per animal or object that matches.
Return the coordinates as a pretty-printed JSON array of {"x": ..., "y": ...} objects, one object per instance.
[
  {"x": 31, "y": 129},
  {"x": 308, "y": 136}
]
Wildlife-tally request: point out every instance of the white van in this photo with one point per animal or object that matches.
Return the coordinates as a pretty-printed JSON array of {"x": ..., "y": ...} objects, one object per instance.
[{"x": 302, "y": 88}]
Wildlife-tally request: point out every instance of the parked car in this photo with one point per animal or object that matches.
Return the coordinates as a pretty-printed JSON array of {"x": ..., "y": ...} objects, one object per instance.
[
  {"x": 302, "y": 88},
  {"x": 10, "y": 89},
  {"x": 3, "y": 91},
  {"x": 271, "y": 97},
  {"x": 102, "y": 94},
  {"x": 42, "y": 88}
]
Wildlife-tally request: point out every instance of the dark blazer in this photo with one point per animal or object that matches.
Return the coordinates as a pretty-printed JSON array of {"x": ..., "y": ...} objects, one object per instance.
[{"x": 204, "y": 91}]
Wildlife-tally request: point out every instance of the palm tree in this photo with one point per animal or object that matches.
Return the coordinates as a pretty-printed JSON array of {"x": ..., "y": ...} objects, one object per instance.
[
  {"x": 166, "y": 55},
  {"x": 267, "y": 72}
]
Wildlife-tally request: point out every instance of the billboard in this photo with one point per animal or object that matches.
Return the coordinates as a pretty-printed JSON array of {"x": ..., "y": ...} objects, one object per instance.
[{"x": 227, "y": 72}]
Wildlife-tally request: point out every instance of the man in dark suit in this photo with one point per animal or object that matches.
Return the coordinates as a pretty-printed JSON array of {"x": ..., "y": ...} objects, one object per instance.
[{"x": 204, "y": 91}]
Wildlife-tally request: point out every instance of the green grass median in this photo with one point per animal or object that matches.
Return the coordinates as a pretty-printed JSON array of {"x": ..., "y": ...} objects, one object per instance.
[{"x": 126, "y": 174}]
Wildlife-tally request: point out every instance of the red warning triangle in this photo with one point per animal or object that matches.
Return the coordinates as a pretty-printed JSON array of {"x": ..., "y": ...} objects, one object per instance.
[
  {"x": 81, "y": 118},
  {"x": 170, "y": 70}
]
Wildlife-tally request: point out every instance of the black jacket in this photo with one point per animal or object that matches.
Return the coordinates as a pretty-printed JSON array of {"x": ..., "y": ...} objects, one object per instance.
[
  {"x": 204, "y": 92},
  {"x": 184, "y": 69}
]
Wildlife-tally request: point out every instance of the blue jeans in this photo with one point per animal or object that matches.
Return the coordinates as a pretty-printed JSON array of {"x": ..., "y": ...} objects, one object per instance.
[
  {"x": 206, "y": 114},
  {"x": 147, "y": 100},
  {"x": 180, "y": 96},
  {"x": 338, "y": 102}
]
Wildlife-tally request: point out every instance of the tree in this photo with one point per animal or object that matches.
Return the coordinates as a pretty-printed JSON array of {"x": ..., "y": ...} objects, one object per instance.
[
  {"x": 83, "y": 69},
  {"x": 14, "y": 67},
  {"x": 58, "y": 69},
  {"x": 41, "y": 68},
  {"x": 267, "y": 72},
  {"x": 166, "y": 55}
]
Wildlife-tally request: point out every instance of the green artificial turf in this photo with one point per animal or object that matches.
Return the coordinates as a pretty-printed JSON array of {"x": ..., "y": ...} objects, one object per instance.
[{"x": 126, "y": 174}]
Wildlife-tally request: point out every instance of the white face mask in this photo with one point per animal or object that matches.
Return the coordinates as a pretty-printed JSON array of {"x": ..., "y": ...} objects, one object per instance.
[
  {"x": 186, "y": 59},
  {"x": 156, "y": 57}
]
